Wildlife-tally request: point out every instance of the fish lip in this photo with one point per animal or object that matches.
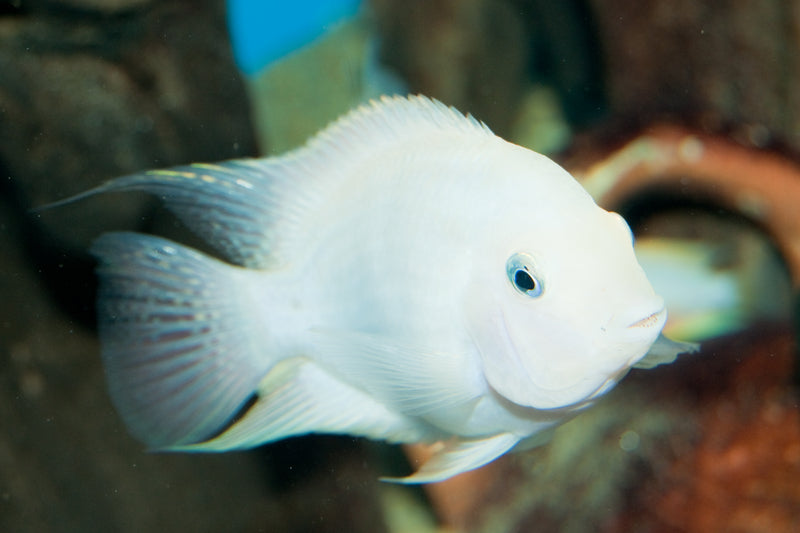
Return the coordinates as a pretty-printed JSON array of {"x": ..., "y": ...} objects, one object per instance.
[{"x": 653, "y": 319}]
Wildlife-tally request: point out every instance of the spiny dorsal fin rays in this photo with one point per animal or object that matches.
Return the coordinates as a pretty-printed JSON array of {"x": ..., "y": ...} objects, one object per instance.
[
  {"x": 232, "y": 205},
  {"x": 228, "y": 204},
  {"x": 249, "y": 209},
  {"x": 392, "y": 118}
]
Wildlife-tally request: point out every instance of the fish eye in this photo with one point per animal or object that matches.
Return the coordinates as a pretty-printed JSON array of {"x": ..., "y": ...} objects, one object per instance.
[{"x": 521, "y": 274}]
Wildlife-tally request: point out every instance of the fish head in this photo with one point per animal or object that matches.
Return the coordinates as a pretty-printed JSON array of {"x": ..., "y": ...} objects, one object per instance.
[{"x": 564, "y": 309}]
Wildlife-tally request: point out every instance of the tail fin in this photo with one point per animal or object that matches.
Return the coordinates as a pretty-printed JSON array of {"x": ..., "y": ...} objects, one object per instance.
[{"x": 176, "y": 329}]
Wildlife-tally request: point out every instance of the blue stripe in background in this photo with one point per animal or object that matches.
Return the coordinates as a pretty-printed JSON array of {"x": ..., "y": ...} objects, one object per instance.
[{"x": 263, "y": 31}]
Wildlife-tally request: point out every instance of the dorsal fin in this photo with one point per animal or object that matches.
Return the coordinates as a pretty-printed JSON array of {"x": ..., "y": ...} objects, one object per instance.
[
  {"x": 392, "y": 119},
  {"x": 247, "y": 208}
]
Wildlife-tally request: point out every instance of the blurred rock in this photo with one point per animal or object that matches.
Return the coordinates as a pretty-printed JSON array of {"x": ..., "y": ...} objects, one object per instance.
[
  {"x": 100, "y": 6},
  {"x": 468, "y": 53},
  {"x": 730, "y": 68},
  {"x": 717, "y": 66},
  {"x": 89, "y": 94},
  {"x": 739, "y": 470},
  {"x": 492, "y": 58}
]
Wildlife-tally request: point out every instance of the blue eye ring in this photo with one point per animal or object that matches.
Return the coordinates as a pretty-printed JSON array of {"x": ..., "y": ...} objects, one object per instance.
[{"x": 522, "y": 275}]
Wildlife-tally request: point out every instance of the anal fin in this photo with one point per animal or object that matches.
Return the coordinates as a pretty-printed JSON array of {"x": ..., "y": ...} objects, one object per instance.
[
  {"x": 458, "y": 456},
  {"x": 298, "y": 397}
]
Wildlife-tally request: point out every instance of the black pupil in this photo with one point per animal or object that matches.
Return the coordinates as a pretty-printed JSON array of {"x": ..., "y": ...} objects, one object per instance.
[{"x": 524, "y": 281}]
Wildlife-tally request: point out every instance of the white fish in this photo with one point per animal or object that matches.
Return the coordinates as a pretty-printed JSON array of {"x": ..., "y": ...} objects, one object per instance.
[{"x": 405, "y": 276}]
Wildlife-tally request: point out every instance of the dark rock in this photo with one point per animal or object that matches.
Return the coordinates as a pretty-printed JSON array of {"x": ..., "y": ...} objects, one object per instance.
[
  {"x": 470, "y": 54},
  {"x": 701, "y": 62},
  {"x": 87, "y": 95}
]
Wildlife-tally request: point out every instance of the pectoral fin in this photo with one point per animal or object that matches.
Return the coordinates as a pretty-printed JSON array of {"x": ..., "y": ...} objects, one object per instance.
[
  {"x": 665, "y": 351},
  {"x": 459, "y": 456}
]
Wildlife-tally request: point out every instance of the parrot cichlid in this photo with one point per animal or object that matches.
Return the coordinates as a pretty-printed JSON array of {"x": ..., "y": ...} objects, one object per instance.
[{"x": 405, "y": 276}]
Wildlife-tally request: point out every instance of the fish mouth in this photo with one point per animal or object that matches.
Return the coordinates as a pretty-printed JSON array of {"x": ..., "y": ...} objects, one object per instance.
[{"x": 652, "y": 320}]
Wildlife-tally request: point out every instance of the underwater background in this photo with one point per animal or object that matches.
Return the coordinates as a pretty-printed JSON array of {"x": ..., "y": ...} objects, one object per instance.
[{"x": 682, "y": 115}]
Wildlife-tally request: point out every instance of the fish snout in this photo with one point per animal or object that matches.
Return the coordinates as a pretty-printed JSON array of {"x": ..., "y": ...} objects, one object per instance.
[{"x": 629, "y": 335}]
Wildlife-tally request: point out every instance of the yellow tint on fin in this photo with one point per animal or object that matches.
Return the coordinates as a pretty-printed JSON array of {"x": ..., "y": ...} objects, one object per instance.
[{"x": 458, "y": 456}]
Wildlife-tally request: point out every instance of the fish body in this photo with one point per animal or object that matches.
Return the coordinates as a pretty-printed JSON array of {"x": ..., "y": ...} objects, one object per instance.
[{"x": 406, "y": 276}]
